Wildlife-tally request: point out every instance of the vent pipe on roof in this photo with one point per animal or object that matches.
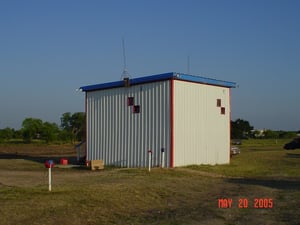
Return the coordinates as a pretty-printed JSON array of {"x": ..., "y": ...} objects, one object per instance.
[{"x": 126, "y": 81}]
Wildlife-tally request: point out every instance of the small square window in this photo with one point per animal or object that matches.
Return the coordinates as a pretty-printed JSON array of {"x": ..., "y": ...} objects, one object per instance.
[
  {"x": 223, "y": 110},
  {"x": 218, "y": 102},
  {"x": 130, "y": 101},
  {"x": 136, "y": 109}
]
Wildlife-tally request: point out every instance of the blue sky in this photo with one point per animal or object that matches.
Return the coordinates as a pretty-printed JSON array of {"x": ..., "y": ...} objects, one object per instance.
[{"x": 50, "y": 48}]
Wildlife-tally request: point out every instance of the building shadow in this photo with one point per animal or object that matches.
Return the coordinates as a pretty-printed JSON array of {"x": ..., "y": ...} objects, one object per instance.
[
  {"x": 281, "y": 184},
  {"x": 292, "y": 155},
  {"x": 40, "y": 159}
]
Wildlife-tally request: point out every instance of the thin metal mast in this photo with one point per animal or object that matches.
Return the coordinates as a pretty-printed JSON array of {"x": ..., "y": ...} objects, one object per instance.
[{"x": 125, "y": 71}]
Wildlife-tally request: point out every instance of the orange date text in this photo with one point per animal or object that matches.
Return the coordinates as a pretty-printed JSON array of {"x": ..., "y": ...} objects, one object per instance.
[{"x": 244, "y": 203}]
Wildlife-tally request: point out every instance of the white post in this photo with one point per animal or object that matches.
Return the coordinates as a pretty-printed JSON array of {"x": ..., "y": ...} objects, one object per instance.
[
  {"x": 162, "y": 158},
  {"x": 50, "y": 181},
  {"x": 150, "y": 159}
]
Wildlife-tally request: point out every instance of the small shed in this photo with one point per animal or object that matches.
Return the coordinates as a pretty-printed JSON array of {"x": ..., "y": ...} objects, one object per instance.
[{"x": 184, "y": 117}]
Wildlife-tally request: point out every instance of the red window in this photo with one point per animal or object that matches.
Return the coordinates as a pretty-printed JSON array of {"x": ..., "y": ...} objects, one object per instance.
[
  {"x": 136, "y": 109},
  {"x": 218, "y": 102},
  {"x": 223, "y": 110},
  {"x": 130, "y": 101}
]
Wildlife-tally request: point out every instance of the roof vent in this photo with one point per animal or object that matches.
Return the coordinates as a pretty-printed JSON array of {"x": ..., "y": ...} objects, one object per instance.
[{"x": 126, "y": 81}]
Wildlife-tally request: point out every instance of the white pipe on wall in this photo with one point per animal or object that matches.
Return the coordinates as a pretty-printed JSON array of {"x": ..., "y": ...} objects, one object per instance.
[{"x": 150, "y": 159}]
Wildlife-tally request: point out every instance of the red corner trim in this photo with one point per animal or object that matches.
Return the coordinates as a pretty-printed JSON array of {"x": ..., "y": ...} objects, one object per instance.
[{"x": 172, "y": 123}]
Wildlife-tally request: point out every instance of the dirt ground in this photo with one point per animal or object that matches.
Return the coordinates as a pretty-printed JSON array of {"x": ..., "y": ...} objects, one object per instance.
[{"x": 22, "y": 165}]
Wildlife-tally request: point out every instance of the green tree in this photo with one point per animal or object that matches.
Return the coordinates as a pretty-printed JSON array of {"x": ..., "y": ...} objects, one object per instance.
[
  {"x": 31, "y": 128},
  {"x": 50, "y": 132},
  {"x": 18, "y": 134},
  {"x": 66, "y": 121},
  {"x": 6, "y": 134},
  {"x": 65, "y": 136},
  {"x": 270, "y": 134},
  {"x": 74, "y": 125},
  {"x": 240, "y": 129}
]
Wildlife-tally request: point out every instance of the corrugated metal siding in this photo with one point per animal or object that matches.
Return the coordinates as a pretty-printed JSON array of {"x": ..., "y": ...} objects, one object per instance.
[
  {"x": 123, "y": 138},
  {"x": 201, "y": 132}
]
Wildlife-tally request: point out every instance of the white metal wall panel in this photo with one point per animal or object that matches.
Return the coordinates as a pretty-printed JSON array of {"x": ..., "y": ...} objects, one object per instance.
[
  {"x": 123, "y": 138},
  {"x": 201, "y": 132}
]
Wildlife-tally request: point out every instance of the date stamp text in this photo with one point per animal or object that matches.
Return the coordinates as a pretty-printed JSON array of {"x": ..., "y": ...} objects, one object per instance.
[{"x": 244, "y": 203}]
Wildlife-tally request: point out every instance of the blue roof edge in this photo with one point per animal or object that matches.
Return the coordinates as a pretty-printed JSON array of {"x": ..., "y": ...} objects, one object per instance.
[
  {"x": 205, "y": 80},
  {"x": 160, "y": 77}
]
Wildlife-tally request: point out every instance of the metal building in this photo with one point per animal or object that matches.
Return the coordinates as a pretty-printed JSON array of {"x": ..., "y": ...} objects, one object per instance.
[{"x": 184, "y": 117}]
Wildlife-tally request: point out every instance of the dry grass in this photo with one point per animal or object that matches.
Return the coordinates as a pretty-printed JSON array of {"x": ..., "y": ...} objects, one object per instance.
[{"x": 135, "y": 196}]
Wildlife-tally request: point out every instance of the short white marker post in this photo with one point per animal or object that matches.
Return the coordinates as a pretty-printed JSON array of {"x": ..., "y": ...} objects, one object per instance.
[
  {"x": 49, "y": 164},
  {"x": 150, "y": 159},
  {"x": 162, "y": 158},
  {"x": 50, "y": 181}
]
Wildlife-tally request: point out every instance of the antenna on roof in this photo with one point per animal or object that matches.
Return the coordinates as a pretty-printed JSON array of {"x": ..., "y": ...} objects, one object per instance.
[{"x": 125, "y": 74}]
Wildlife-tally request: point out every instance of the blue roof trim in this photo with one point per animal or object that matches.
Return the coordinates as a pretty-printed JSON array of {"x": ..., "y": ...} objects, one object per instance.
[
  {"x": 152, "y": 78},
  {"x": 205, "y": 80},
  {"x": 160, "y": 77}
]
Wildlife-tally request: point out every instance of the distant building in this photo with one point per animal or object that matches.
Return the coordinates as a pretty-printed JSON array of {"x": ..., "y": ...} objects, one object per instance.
[
  {"x": 259, "y": 133},
  {"x": 186, "y": 117}
]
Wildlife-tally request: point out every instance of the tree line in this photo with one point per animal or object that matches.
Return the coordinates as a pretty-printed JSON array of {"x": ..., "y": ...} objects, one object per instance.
[
  {"x": 71, "y": 129},
  {"x": 241, "y": 129}
]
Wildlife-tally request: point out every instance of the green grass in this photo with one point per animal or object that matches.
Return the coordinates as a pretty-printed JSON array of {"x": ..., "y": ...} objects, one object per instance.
[
  {"x": 259, "y": 158},
  {"x": 278, "y": 143},
  {"x": 164, "y": 196},
  {"x": 116, "y": 197}
]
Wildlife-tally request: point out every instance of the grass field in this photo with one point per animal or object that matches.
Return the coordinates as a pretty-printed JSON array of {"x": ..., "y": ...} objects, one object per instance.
[{"x": 264, "y": 177}]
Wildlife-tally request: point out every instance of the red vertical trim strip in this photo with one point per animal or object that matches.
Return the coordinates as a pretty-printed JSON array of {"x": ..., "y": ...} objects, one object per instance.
[
  {"x": 229, "y": 123},
  {"x": 86, "y": 127},
  {"x": 172, "y": 123}
]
